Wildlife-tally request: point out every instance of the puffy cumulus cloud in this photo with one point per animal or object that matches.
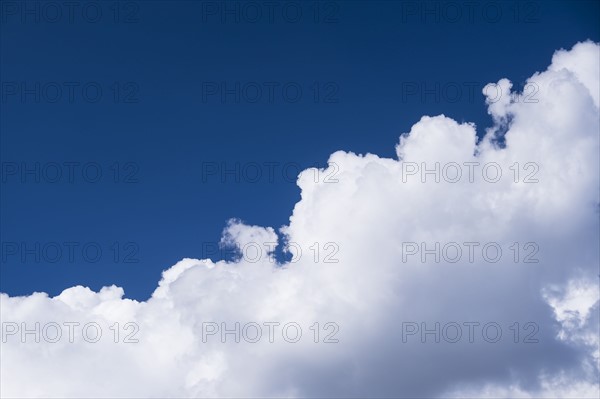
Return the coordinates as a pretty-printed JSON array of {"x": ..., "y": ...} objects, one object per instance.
[{"x": 522, "y": 322}]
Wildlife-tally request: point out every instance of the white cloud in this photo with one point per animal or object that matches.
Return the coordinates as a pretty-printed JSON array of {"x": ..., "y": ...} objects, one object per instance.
[{"x": 377, "y": 205}]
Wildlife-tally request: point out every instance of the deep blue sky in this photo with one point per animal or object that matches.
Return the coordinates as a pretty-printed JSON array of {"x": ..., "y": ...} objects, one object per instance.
[{"x": 166, "y": 57}]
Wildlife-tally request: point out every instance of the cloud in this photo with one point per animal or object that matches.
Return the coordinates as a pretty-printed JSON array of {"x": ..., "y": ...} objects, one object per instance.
[{"x": 440, "y": 245}]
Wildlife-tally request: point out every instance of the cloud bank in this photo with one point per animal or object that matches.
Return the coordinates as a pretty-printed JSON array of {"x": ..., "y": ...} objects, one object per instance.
[{"x": 482, "y": 283}]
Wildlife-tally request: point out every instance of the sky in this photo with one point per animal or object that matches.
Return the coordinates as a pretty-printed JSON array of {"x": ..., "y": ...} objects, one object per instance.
[
  {"x": 367, "y": 62},
  {"x": 141, "y": 141}
]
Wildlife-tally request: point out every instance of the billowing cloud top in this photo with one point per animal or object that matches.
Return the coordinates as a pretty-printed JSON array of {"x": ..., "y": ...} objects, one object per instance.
[{"x": 387, "y": 260}]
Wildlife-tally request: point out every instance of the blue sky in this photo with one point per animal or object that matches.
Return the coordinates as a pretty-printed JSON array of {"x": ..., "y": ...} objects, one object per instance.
[
  {"x": 430, "y": 171},
  {"x": 166, "y": 58}
]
